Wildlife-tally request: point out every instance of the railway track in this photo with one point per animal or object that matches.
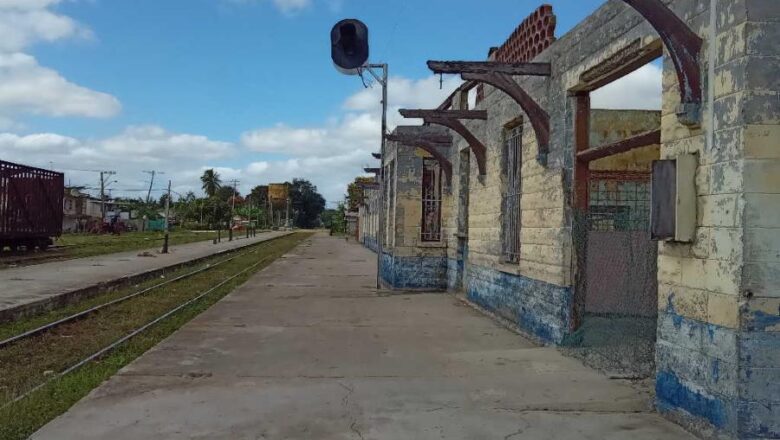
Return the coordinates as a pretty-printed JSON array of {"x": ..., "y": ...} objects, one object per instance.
[{"x": 221, "y": 269}]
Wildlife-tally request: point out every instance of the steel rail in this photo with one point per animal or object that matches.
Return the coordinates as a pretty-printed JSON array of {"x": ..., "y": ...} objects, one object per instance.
[
  {"x": 96, "y": 308},
  {"x": 134, "y": 333}
]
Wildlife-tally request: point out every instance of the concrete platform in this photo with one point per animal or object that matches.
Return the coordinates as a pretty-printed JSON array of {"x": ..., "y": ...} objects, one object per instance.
[
  {"x": 26, "y": 287},
  {"x": 308, "y": 349}
]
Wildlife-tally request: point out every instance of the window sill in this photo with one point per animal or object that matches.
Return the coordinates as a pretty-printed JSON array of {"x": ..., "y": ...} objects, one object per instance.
[
  {"x": 510, "y": 268},
  {"x": 431, "y": 244}
]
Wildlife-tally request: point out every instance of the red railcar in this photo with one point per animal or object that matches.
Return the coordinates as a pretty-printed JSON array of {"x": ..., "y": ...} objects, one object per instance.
[{"x": 30, "y": 206}]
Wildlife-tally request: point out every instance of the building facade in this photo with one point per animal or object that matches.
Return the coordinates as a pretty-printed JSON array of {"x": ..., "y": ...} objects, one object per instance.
[{"x": 651, "y": 238}]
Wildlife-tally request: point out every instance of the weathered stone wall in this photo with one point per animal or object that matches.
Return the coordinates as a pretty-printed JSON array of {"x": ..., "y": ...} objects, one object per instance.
[
  {"x": 368, "y": 220},
  {"x": 717, "y": 352},
  {"x": 408, "y": 262},
  {"x": 718, "y": 347}
]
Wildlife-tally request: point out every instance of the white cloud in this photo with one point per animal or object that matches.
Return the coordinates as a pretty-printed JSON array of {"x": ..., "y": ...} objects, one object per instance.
[
  {"x": 640, "y": 90},
  {"x": 151, "y": 143},
  {"x": 331, "y": 155},
  {"x": 181, "y": 156},
  {"x": 24, "y": 22},
  {"x": 292, "y": 6},
  {"x": 286, "y": 7},
  {"x": 27, "y": 87}
]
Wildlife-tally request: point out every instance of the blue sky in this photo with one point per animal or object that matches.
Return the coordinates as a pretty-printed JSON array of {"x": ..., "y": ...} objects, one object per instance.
[{"x": 246, "y": 86}]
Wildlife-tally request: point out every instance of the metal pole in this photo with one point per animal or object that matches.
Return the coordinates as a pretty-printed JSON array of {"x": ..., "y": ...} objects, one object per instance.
[
  {"x": 232, "y": 208},
  {"x": 167, "y": 222},
  {"x": 102, "y": 199},
  {"x": 380, "y": 234},
  {"x": 151, "y": 184},
  {"x": 383, "y": 183},
  {"x": 249, "y": 207}
]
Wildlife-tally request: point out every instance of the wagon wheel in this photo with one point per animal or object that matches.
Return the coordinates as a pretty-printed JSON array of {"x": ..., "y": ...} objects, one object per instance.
[{"x": 43, "y": 244}]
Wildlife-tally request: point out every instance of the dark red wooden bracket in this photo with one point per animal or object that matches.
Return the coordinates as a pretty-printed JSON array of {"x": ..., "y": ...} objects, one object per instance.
[
  {"x": 684, "y": 47},
  {"x": 632, "y": 143},
  {"x": 429, "y": 144},
  {"x": 533, "y": 69},
  {"x": 499, "y": 75},
  {"x": 450, "y": 119},
  {"x": 540, "y": 119}
]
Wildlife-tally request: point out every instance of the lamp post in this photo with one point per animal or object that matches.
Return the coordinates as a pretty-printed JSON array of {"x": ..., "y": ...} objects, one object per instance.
[{"x": 349, "y": 52}]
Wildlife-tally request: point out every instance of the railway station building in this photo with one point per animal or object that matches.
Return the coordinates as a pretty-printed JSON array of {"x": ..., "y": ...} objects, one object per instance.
[{"x": 645, "y": 242}]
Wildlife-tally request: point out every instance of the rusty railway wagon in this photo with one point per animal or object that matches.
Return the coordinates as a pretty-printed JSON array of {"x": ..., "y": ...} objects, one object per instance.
[{"x": 30, "y": 206}]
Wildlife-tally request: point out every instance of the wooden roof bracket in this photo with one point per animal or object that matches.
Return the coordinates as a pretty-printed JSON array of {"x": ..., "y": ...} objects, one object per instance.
[
  {"x": 376, "y": 155},
  {"x": 499, "y": 75},
  {"x": 431, "y": 147},
  {"x": 477, "y": 147},
  {"x": 450, "y": 119},
  {"x": 540, "y": 119},
  {"x": 684, "y": 46}
]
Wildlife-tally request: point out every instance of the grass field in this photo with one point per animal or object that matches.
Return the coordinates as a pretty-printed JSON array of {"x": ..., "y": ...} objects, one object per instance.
[
  {"x": 71, "y": 246},
  {"x": 87, "y": 245},
  {"x": 31, "y": 362}
]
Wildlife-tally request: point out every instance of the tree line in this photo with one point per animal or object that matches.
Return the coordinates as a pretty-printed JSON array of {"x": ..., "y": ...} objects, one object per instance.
[{"x": 214, "y": 209}]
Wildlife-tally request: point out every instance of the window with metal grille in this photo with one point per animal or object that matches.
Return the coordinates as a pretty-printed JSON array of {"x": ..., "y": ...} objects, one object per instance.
[
  {"x": 390, "y": 204},
  {"x": 619, "y": 201},
  {"x": 431, "y": 200},
  {"x": 510, "y": 206}
]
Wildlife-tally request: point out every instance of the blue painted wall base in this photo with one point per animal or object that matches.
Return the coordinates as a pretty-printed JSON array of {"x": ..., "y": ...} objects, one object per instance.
[
  {"x": 541, "y": 309},
  {"x": 417, "y": 273},
  {"x": 725, "y": 379}
]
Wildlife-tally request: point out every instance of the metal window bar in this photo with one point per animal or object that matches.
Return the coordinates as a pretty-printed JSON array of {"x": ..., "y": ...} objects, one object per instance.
[
  {"x": 431, "y": 201},
  {"x": 619, "y": 202},
  {"x": 511, "y": 198}
]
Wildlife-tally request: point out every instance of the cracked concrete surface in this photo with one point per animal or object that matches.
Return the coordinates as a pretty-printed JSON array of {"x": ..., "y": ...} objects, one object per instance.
[{"x": 308, "y": 349}]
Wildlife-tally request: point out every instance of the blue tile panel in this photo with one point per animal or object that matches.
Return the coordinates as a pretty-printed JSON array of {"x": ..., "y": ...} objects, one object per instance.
[
  {"x": 539, "y": 308},
  {"x": 727, "y": 378},
  {"x": 416, "y": 272},
  {"x": 371, "y": 243}
]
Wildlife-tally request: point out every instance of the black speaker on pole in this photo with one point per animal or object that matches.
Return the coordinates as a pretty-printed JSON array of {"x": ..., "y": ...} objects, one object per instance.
[{"x": 349, "y": 45}]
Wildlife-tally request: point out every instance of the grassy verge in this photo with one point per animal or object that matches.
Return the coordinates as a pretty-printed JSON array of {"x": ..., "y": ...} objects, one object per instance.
[
  {"x": 87, "y": 245},
  {"x": 72, "y": 246},
  {"x": 30, "y": 362}
]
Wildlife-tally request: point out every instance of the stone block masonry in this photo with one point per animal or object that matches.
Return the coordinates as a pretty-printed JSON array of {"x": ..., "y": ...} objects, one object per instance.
[{"x": 717, "y": 353}]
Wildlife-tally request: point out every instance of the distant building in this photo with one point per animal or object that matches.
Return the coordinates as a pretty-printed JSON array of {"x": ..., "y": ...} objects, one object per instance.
[{"x": 81, "y": 211}]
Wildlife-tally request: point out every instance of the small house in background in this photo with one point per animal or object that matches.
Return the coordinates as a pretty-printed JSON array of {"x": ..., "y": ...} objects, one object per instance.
[
  {"x": 74, "y": 209},
  {"x": 82, "y": 212}
]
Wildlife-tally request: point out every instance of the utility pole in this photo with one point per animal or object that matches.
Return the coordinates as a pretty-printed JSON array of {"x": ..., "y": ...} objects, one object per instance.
[
  {"x": 249, "y": 209},
  {"x": 167, "y": 222},
  {"x": 103, "y": 175},
  {"x": 287, "y": 215},
  {"x": 102, "y": 199},
  {"x": 151, "y": 184},
  {"x": 232, "y": 209}
]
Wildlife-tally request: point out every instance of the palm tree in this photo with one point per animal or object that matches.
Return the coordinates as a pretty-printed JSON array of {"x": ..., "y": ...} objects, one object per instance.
[{"x": 211, "y": 182}]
